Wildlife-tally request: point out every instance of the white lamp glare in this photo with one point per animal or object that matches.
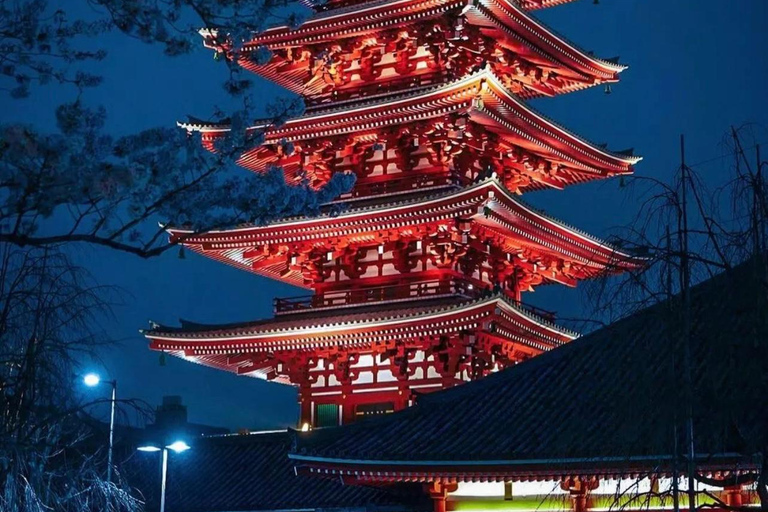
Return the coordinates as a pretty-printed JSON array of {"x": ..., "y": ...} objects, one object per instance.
[
  {"x": 91, "y": 380},
  {"x": 148, "y": 448},
  {"x": 178, "y": 446}
]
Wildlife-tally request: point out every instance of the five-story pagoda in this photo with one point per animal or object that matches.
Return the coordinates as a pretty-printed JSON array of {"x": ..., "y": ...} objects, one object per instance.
[{"x": 418, "y": 282}]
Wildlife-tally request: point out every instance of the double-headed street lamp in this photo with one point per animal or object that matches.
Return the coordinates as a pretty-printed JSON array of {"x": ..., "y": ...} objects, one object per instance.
[
  {"x": 176, "y": 446},
  {"x": 92, "y": 380}
]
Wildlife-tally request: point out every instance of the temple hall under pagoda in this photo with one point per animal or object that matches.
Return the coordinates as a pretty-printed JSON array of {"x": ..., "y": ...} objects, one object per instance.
[{"x": 417, "y": 283}]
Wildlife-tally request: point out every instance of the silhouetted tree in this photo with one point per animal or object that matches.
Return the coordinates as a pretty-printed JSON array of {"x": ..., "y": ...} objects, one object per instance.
[
  {"x": 689, "y": 233},
  {"x": 77, "y": 183},
  {"x": 49, "y": 311}
]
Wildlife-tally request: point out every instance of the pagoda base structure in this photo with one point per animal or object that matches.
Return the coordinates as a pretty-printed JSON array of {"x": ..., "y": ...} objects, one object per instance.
[{"x": 353, "y": 361}]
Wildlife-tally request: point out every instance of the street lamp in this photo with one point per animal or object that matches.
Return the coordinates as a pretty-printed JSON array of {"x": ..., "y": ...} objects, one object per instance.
[
  {"x": 92, "y": 380},
  {"x": 178, "y": 447}
]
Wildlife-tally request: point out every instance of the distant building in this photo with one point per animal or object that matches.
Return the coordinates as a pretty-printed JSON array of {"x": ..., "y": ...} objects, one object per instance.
[
  {"x": 171, "y": 420},
  {"x": 142, "y": 471}
]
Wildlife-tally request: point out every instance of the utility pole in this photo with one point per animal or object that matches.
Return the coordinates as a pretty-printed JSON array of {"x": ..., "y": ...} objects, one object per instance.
[
  {"x": 671, "y": 330},
  {"x": 757, "y": 204},
  {"x": 761, "y": 204},
  {"x": 111, "y": 429},
  {"x": 685, "y": 284}
]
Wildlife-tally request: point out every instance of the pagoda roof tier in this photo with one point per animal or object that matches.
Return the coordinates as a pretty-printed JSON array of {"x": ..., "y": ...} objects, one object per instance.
[
  {"x": 257, "y": 348},
  {"x": 484, "y": 218},
  {"x": 324, "y": 5},
  {"x": 457, "y": 124},
  {"x": 397, "y": 44}
]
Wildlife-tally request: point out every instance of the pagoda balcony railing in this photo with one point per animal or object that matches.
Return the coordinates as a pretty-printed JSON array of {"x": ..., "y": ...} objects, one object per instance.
[
  {"x": 394, "y": 293},
  {"x": 378, "y": 294},
  {"x": 364, "y": 188},
  {"x": 547, "y": 315}
]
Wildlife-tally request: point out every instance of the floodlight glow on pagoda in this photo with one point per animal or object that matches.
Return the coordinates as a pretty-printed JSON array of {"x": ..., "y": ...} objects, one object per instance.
[{"x": 418, "y": 273}]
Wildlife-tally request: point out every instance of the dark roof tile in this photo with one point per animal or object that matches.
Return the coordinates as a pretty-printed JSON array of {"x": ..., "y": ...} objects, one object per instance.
[
  {"x": 613, "y": 393},
  {"x": 251, "y": 473}
]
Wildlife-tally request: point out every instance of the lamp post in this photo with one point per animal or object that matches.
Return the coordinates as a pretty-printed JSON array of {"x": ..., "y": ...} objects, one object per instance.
[
  {"x": 176, "y": 446},
  {"x": 92, "y": 380}
]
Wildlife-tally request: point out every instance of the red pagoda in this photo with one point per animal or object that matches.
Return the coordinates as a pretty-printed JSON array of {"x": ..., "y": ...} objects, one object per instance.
[{"x": 418, "y": 283}]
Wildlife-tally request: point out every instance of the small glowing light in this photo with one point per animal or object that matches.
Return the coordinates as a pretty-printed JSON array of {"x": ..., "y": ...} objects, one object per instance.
[
  {"x": 91, "y": 380},
  {"x": 329, "y": 256},
  {"x": 148, "y": 449},
  {"x": 381, "y": 249},
  {"x": 178, "y": 446},
  {"x": 305, "y": 427},
  {"x": 418, "y": 245}
]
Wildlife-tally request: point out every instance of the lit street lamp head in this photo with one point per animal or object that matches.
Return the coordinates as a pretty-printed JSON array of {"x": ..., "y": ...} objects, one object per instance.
[
  {"x": 178, "y": 446},
  {"x": 91, "y": 380}
]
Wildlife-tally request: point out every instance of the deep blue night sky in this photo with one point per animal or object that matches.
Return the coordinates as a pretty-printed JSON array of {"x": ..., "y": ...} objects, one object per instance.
[{"x": 696, "y": 67}]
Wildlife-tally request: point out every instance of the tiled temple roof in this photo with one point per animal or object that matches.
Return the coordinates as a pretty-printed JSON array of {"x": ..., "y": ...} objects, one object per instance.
[
  {"x": 506, "y": 214},
  {"x": 214, "y": 345},
  {"x": 529, "y": 5},
  {"x": 354, "y": 317},
  {"x": 607, "y": 400},
  {"x": 312, "y": 115},
  {"x": 312, "y": 317},
  {"x": 511, "y": 14},
  {"x": 505, "y": 19},
  {"x": 389, "y": 203},
  {"x": 252, "y": 473}
]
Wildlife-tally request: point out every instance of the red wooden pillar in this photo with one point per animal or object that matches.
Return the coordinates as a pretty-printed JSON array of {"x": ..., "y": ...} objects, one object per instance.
[
  {"x": 403, "y": 397},
  {"x": 305, "y": 406},
  {"x": 438, "y": 491},
  {"x": 579, "y": 490},
  {"x": 579, "y": 501},
  {"x": 439, "y": 503},
  {"x": 733, "y": 496},
  {"x": 347, "y": 411}
]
